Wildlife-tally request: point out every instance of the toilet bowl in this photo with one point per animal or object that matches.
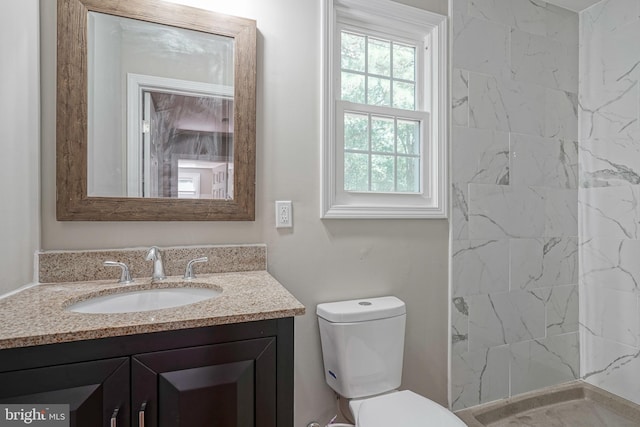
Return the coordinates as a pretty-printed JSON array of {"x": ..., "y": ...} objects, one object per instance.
[
  {"x": 402, "y": 409},
  {"x": 362, "y": 348}
]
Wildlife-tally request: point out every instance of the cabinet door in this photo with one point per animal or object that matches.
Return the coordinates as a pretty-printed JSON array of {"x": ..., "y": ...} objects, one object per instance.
[
  {"x": 93, "y": 390},
  {"x": 221, "y": 385}
]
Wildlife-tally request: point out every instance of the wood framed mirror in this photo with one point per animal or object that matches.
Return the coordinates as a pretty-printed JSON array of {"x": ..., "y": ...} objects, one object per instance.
[{"x": 114, "y": 162}]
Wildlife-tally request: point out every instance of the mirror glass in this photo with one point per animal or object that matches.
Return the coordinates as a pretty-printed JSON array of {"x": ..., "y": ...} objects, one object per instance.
[
  {"x": 156, "y": 112},
  {"x": 160, "y": 110}
]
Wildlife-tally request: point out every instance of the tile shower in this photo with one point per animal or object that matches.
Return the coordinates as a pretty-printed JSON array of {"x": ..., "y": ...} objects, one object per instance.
[
  {"x": 609, "y": 196},
  {"x": 545, "y": 122},
  {"x": 515, "y": 199}
]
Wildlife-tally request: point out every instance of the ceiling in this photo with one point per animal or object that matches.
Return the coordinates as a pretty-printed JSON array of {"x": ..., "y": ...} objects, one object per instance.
[{"x": 575, "y": 5}]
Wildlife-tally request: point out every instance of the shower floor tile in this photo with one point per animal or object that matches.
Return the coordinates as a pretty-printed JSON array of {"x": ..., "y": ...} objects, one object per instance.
[
  {"x": 575, "y": 404},
  {"x": 578, "y": 413}
]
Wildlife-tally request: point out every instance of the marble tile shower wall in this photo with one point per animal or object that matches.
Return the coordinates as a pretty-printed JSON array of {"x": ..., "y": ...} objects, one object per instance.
[
  {"x": 609, "y": 199},
  {"x": 515, "y": 198}
]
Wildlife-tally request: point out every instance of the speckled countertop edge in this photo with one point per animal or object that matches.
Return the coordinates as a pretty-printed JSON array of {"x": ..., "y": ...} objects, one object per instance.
[{"x": 38, "y": 315}]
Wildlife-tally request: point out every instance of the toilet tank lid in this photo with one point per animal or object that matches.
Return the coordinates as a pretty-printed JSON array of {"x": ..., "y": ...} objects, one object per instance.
[{"x": 361, "y": 310}]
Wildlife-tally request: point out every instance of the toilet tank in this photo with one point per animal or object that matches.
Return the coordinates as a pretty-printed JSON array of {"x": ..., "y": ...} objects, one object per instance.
[{"x": 362, "y": 345}]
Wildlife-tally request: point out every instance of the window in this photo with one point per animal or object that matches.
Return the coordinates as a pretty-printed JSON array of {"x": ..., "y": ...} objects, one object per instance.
[{"x": 384, "y": 113}]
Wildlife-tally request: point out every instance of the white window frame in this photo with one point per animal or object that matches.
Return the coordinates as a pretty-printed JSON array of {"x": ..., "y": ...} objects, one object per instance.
[{"x": 385, "y": 16}]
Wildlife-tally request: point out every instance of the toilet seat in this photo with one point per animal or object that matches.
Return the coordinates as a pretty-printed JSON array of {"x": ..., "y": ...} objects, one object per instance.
[{"x": 404, "y": 409}]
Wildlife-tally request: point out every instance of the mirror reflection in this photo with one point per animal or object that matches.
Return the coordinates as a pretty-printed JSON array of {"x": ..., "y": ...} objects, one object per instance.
[
  {"x": 187, "y": 147},
  {"x": 160, "y": 111}
]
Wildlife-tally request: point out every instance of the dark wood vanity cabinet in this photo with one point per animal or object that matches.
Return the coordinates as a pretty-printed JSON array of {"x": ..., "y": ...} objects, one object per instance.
[
  {"x": 95, "y": 391},
  {"x": 222, "y": 376},
  {"x": 231, "y": 384}
]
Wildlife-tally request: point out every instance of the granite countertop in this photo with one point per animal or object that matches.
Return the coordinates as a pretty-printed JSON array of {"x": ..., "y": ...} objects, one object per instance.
[{"x": 38, "y": 315}]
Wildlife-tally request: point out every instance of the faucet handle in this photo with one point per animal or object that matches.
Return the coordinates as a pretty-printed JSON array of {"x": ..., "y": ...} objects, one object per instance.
[
  {"x": 125, "y": 277},
  {"x": 189, "y": 274}
]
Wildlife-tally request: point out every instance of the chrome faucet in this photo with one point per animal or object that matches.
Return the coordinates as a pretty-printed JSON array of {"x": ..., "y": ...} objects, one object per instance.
[
  {"x": 189, "y": 274},
  {"x": 155, "y": 255},
  {"x": 125, "y": 276}
]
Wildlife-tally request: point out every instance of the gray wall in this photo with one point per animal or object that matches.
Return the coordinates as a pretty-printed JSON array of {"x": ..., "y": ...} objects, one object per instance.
[
  {"x": 317, "y": 260},
  {"x": 514, "y": 189},
  {"x": 19, "y": 121}
]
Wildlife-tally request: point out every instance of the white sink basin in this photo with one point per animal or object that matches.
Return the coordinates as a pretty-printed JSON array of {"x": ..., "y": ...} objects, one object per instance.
[{"x": 145, "y": 300}]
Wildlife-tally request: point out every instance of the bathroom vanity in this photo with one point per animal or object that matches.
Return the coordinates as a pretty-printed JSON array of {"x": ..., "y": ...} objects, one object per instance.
[
  {"x": 225, "y": 361},
  {"x": 229, "y": 375}
]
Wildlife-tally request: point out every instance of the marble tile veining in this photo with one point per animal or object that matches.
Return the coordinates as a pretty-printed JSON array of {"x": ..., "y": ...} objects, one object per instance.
[
  {"x": 460, "y": 97},
  {"x": 561, "y": 212},
  {"x": 479, "y": 267},
  {"x": 538, "y": 263},
  {"x": 609, "y": 197},
  {"x": 459, "y": 326},
  {"x": 611, "y": 263},
  {"x": 489, "y": 369},
  {"x": 561, "y": 115},
  {"x": 562, "y": 310},
  {"x": 538, "y": 161},
  {"x": 525, "y": 15},
  {"x": 612, "y": 314},
  {"x": 497, "y": 211},
  {"x": 514, "y": 189},
  {"x": 612, "y": 366},
  {"x": 473, "y": 35},
  {"x": 606, "y": 17},
  {"x": 562, "y": 24},
  {"x": 459, "y": 222},
  {"x": 609, "y": 162},
  {"x": 543, "y": 61},
  {"x": 610, "y": 212},
  {"x": 544, "y": 362},
  {"x": 613, "y": 112},
  {"x": 503, "y": 104},
  {"x": 505, "y": 318},
  {"x": 481, "y": 156}
]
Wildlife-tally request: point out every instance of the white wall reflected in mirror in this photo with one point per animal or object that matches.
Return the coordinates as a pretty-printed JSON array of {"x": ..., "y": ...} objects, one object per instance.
[
  {"x": 204, "y": 180},
  {"x": 157, "y": 95}
]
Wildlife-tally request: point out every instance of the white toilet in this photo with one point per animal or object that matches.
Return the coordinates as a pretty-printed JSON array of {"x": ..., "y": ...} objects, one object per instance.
[{"x": 362, "y": 348}]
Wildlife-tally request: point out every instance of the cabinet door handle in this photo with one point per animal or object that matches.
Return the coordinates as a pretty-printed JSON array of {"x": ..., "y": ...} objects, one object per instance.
[
  {"x": 141, "y": 414},
  {"x": 114, "y": 417}
]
